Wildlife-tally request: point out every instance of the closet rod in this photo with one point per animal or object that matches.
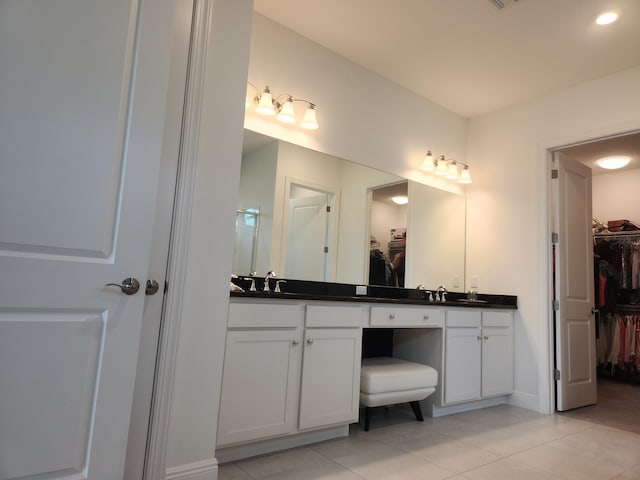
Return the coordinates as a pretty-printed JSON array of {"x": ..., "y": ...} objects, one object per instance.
[{"x": 632, "y": 235}]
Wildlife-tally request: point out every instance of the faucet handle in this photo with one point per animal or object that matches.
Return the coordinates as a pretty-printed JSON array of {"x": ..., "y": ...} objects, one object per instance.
[
  {"x": 430, "y": 297},
  {"x": 443, "y": 297}
]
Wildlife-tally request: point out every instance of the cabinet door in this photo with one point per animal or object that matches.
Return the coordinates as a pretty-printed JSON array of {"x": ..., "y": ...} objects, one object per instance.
[
  {"x": 259, "y": 385},
  {"x": 497, "y": 361},
  {"x": 462, "y": 364},
  {"x": 330, "y": 391}
]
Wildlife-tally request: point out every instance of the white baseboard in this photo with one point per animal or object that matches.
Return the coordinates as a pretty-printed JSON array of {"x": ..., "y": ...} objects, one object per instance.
[
  {"x": 202, "y": 470},
  {"x": 440, "y": 411},
  {"x": 525, "y": 400},
  {"x": 238, "y": 452}
]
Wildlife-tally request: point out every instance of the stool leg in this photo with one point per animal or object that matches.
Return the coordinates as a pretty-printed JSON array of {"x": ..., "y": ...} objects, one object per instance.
[
  {"x": 417, "y": 411},
  {"x": 367, "y": 411}
]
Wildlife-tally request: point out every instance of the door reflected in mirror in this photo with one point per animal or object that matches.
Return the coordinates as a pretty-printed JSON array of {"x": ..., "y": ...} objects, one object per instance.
[{"x": 278, "y": 179}]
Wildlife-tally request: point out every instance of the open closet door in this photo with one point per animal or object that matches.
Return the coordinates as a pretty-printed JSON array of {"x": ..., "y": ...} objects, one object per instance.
[{"x": 574, "y": 320}]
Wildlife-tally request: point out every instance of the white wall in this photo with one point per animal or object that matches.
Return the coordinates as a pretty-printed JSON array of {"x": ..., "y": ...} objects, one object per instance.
[
  {"x": 616, "y": 196},
  {"x": 507, "y": 216}
]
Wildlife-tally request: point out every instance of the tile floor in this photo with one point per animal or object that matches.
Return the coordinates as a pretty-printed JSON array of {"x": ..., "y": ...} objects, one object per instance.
[{"x": 497, "y": 443}]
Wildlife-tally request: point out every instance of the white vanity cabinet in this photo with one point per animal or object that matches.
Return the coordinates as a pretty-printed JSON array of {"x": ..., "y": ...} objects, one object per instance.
[
  {"x": 330, "y": 390},
  {"x": 478, "y": 355},
  {"x": 289, "y": 367},
  {"x": 260, "y": 379}
]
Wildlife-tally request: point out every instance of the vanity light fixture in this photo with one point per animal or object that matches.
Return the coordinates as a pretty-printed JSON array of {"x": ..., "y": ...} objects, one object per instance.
[
  {"x": 281, "y": 106},
  {"x": 446, "y": 168},
  {"x": 441, "y": 167},
  {"x": 428, "y": 164},
  {"x": 452, "y": 171},
  {"x": 400, "y": 200}
]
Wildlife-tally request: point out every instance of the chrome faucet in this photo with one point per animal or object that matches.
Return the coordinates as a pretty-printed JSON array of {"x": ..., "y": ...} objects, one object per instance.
[
  {"x": 427, "y": 294},
  {"x": 269, "y": 275},
  {"x": 441, "y": 294}
]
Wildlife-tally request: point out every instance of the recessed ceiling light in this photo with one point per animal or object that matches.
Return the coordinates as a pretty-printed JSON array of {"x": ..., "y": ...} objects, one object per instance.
[
  {"x": 400, "y": 199},
  {"x": 606, "y": 18},
  {"x": 612, "y": 163}
]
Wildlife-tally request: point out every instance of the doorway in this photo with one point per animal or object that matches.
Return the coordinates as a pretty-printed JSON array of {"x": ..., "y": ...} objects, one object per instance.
[
  {"x": 615, "y": 197},
  {"x": 387, "y": 234}
]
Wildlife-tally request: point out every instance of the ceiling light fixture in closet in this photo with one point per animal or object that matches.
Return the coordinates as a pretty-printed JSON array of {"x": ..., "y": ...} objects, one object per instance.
[
  {"x": 446, "y": 168},
  {"x": 281, "y": 106},
  {"x": 614, "y": 162},
  {"x": 606, "y": 18}
]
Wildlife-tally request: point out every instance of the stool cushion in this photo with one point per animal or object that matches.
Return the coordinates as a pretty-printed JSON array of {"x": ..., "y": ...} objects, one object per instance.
[{"x": 388, "y": 374}]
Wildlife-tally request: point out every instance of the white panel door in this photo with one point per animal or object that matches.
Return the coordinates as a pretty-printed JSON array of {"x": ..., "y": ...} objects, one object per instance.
[
  {"x": 307, "y": 237},
  {"x": 574, "y": 322},
  {"x": 82, "y": 87}
]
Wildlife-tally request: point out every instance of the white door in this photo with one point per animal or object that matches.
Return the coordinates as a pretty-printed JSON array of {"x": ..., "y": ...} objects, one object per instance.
[
  {"x": 307, "y": 237},
  {"x": 82, "y": 87},
  {"x": 574, "y": 321}
]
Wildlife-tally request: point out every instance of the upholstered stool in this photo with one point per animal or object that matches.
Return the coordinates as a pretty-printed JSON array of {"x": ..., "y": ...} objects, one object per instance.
[{"x": 389, "y": 380}]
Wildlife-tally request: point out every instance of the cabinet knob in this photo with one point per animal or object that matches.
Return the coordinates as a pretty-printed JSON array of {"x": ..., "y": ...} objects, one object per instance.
[
  {"x": 486, "y": 337},
  {"x": 295, "y": 342},
  {"x": 426, "y": 317},
  {"x": 479, "y": 337},
  {"x": 391, "y": 316},
  {"x": 309, "y": 341}
]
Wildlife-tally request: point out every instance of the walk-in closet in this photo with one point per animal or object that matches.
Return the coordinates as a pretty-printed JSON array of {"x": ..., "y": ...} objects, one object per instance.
[{"x": 616, "y": 249}]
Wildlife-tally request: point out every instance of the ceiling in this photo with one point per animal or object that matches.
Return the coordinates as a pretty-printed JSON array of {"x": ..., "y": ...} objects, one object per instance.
[
  {"x": 470, "y": 56},
  {"x": 467, "y": 55}
]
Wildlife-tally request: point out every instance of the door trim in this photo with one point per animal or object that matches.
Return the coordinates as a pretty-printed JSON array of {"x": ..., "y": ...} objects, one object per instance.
[{"x": 179, "y": 245}]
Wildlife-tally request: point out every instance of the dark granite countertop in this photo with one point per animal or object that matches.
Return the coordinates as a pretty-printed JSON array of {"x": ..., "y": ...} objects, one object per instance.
[{"x": 343, "y": 292}]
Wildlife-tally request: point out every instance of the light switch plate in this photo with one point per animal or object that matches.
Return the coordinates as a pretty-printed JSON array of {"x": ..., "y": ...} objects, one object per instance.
[{"x": 474, "y": 281}]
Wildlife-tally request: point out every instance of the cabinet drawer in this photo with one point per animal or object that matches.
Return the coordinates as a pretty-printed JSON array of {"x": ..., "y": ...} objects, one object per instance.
[
  {"x": 463, "y": 318},
  {"x": 264, "y": 315},
  {"x": 406, "y": 317},
  {"x": 334, "y": 316},
  {"x": 497, "y": 319}
]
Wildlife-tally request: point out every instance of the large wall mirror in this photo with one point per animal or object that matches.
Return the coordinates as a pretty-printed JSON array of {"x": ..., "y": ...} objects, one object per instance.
[{"x": 311, "y": 216}]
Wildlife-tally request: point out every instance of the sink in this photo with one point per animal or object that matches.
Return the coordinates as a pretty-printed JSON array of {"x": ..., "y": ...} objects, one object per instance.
[{"x": 471, "y": 300}]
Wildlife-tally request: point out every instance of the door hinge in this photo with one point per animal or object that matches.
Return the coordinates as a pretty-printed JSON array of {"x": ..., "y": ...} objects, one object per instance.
[
  {"x": 326, "y": 249},
  {"x": 556, "y": 374},
  {"x": 555, "y": 237},
  {"x": 328, "y": 208},
  {"x": 554, "y": 173},
  {"x": 556, "y": 304}
]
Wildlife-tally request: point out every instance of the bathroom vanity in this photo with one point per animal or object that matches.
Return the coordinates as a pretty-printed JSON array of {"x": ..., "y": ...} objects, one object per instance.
[{"x": 292, "y": 360}]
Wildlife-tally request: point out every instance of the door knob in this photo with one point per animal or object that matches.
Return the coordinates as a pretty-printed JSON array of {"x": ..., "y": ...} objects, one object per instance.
[
  {"x": 129, "y": 285},
  {"x": 151, "y": 288}
]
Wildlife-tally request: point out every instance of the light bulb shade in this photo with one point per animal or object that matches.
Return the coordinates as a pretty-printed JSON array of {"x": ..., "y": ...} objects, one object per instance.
[
  {"x": 442, "y": 169},
  {"x": 427, "y": 163},
  {"x": 452, "y": 171},
  {"x": 287, "y": 114},
  {"x": 309, "y": 121},
  {"x": 265, "y": 103},
  {"x": 465, "y": 176}
]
